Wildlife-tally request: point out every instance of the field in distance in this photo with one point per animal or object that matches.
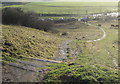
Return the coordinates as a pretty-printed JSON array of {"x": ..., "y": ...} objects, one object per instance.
[{"x": 69, "y": 7}]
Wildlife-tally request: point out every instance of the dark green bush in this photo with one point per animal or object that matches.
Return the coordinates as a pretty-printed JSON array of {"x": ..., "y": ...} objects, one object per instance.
[
  {"x": 11, "y": 15},
  {"x": 16, "y": 16}
]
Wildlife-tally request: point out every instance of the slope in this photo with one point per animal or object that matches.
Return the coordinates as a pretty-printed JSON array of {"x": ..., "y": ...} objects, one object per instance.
[{"x": 21, "y": 42}]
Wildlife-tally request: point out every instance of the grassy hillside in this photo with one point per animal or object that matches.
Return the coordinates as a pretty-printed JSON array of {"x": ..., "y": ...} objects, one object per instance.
[
  {"x": 28, "y": 42},
  {"x": 93, "y": 64}
]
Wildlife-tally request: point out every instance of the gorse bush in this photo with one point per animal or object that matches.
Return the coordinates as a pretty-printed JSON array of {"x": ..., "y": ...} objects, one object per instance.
[{"x": 16, "y": 16}]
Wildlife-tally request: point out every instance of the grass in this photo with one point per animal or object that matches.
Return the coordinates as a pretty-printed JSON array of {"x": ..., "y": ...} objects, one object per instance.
[
  {"x": 93, "y": 64},
  {"x": 69, "y": 7},
  {"x": 97, "y": 52},
  {"x": 79, "y": 31},
  {"x": 12, "y": 6},
  {"x": 78, "y": 73},
  {"x": 28, "y": 42},
  {"x": 76, "y": 3}
]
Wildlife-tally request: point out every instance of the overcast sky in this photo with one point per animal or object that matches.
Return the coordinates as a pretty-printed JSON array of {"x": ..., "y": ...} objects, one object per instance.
[{"x": 60, "y": 0}]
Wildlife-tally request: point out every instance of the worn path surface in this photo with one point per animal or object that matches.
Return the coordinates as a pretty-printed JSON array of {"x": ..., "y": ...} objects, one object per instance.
[
  {"x": 104, "y": 34},
  {"x": 61, "y": 53}
]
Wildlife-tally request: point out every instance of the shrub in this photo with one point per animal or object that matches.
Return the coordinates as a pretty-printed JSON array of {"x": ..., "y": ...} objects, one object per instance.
[
  {"x": 11, "y": 15},
  {"x": 16, "y": 16}
]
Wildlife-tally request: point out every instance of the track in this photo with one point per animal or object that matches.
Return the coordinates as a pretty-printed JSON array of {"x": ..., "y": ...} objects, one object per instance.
[
  {"x": 61, "y": 53},
  {"x": 108, "y": 52},
  {"x": 104, "y": 34},
  {"x": 32, "y": 64},
  {"x": 115, "y": 64}
]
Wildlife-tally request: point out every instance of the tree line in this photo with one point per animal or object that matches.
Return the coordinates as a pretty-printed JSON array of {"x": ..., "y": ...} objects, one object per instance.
[{"x": 13, "y": 3}]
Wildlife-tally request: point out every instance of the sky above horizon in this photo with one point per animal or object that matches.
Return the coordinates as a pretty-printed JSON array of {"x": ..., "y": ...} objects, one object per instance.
[{"x": 60, "y": 0}]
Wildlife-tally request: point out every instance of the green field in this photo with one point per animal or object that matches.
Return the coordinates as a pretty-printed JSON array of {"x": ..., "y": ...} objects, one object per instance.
[{"x": 69, "y": 7}]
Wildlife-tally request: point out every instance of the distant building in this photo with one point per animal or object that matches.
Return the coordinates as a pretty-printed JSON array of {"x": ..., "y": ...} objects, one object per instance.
[{"x": 112, "y": 14}]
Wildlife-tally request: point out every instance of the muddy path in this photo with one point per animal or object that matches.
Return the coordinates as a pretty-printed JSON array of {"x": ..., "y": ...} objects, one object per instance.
[
  {"x": 32, "y": 64},
  {"x": 110, "y": 55},
  {"x": 63, "y": 48},
  {"x": 30, "y": 70},
  {"x": 16, "y": 73},
  {"x": 62, "y": 51}
]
